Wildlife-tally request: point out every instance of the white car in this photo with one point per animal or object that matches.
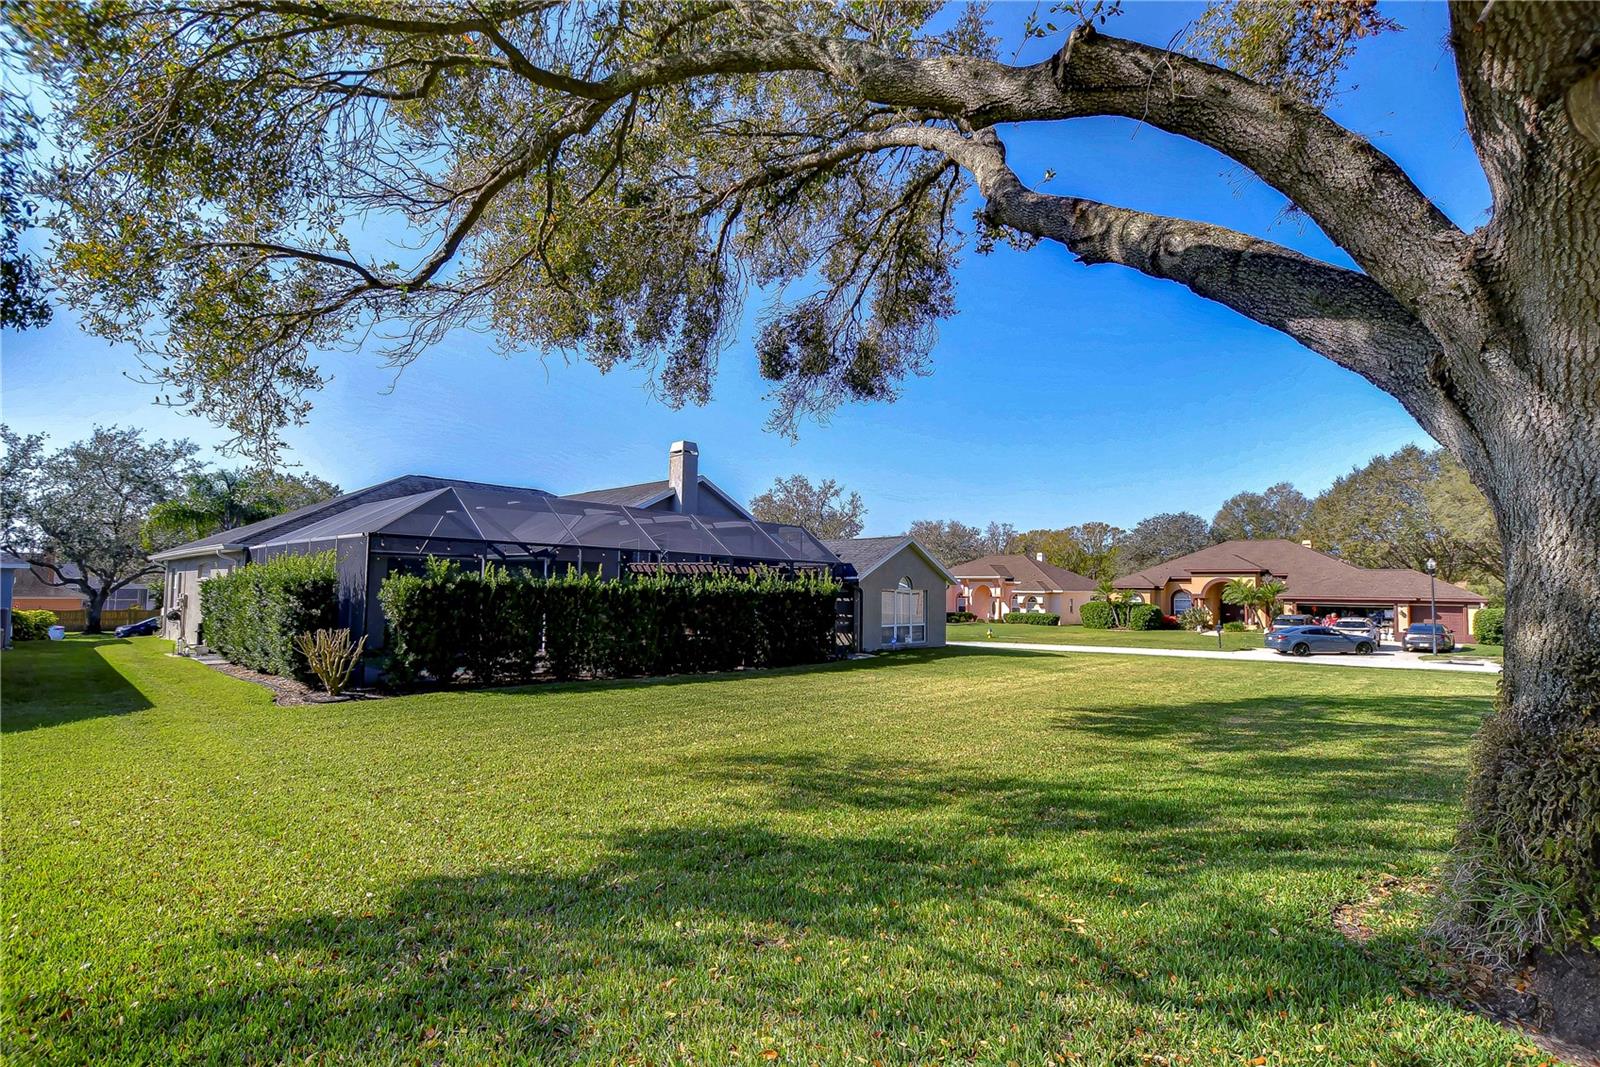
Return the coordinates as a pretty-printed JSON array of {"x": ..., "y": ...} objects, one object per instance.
[{"x": 1355, "y": 624}]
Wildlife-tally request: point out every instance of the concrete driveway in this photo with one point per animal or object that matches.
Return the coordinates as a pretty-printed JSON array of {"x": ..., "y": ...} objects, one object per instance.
[{"x": 1389, "y": 657}]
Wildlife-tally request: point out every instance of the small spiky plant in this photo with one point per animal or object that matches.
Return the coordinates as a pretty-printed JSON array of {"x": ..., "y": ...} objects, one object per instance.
[{"x": 332, "y": 656}]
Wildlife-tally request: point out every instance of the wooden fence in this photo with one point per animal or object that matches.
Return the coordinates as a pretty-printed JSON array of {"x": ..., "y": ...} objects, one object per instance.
[{"x": 109, "y": 619}]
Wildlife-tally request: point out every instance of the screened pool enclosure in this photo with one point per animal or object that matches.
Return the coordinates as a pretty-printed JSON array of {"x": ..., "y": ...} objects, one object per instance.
[{"x": 533, "y": 531}]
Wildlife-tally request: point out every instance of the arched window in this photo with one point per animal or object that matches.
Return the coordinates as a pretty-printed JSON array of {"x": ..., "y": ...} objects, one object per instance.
[
  {"x": 904, "y": 619},
  {"x": 1181, "y": 602}
]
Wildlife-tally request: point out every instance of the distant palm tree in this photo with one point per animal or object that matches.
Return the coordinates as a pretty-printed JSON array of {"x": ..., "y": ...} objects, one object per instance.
[
  {"x": 215, "y": 500},
  {"x": 1105, "y": 590}
]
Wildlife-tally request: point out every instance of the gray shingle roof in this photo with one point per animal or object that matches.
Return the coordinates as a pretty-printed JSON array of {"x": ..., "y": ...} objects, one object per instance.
[
  {"x": 864, "y": 553},
  {"x": 632, "y": 496}
]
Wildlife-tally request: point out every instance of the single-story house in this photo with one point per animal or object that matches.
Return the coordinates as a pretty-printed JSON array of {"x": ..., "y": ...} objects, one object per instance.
[
  {"x": 10, "y": 566},
  {"x": 1315, "y": 584},
  {"x": 991, "y": 587},
  {"x": 395, "y": 525},
  {"x": 900, "y": 587}
]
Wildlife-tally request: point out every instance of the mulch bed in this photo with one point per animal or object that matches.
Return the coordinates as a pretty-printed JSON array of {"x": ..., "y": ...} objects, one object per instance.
[
  {"x": 1502, "y": 995},
  {"x": 286, "y": 692}
]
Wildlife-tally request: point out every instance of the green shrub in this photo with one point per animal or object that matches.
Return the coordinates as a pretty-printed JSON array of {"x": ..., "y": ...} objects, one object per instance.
[
  {"x": 960, "y": 616},
  {"x": 1034, "y": 618},
  {"x": 1489, "y": 626},
  {"x": 1234, "y": 627},
  {"x": 1145, "y": 617},
  {"x": 254, "y": 613},
  {"x": 499, "y": 625},
  {"x": 1097, "y": 615},
  {"x": 1198, "y": 617},
  {"x": 32, "y": 625}
]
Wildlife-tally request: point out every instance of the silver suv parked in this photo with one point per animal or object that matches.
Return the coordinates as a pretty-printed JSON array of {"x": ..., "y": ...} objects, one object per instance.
[{"x": 1356, "y": 624}]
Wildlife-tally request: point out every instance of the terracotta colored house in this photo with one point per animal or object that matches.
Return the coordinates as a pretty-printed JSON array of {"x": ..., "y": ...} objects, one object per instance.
[
  {"x": 1316, "y": 584},
  {"x": 991, "y": 587}
]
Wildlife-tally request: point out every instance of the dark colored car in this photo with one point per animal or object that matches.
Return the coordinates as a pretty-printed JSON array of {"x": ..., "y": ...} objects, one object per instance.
[
  {"x": 142, "y": 628},
  {"x": 1304, "y": 640},
  {"x": 1428, "y": 637},
  {"x": 1284, "y": 622}
]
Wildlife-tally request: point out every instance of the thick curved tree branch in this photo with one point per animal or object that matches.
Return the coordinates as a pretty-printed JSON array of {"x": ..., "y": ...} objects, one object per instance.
[
  {"x": 1340, "y": 314},
  {"x": 1358, "y": 195}
]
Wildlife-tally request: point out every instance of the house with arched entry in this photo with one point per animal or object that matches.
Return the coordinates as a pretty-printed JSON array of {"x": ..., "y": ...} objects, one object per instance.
[
  {"x": 1315, "y": 583},
  {"x": 992, "y": 587}
]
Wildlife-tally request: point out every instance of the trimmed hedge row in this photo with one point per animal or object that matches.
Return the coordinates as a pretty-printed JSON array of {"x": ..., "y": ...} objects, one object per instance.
[
  {"x": 253, "y": 614},
  {"x": 1489, "y": 626},
  {"x": 498, "y": 625},
  {"x": 32, "y": 624},
  {"x": 1097, "y": 615},
  {"x": 1034, "y": 618},
  {"x": 960, "y": 616}
]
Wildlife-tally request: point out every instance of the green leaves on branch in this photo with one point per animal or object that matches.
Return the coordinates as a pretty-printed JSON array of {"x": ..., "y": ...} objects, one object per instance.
[{"x": 602, "y": 178}]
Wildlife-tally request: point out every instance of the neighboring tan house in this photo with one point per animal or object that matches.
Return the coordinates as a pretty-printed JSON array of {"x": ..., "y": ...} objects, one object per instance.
[
  {"x": 393, "y": 527},
  {"x": 1316, "y": 584},
  {"x": 992, "y": 587},
  {"x": 901, "y": 589},
  {"x": 10, "y": 566}
]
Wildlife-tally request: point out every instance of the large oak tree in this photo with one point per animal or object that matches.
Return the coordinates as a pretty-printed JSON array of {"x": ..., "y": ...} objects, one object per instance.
[{"x": 615, "y": 177}]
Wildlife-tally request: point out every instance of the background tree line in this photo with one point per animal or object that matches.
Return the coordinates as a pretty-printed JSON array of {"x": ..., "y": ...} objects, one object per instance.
[
  {"x": 90, "y": 514},
  {"x": 1396, "y": 510}
]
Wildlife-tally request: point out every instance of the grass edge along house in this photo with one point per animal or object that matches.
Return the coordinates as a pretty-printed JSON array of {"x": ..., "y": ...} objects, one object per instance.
[{"x": 683, "y": 526}]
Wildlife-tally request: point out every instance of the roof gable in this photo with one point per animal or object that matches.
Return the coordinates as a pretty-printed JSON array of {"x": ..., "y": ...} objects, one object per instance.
[
  {"x": 867, "y": 554},
  {"x": 646, "y": 494}
]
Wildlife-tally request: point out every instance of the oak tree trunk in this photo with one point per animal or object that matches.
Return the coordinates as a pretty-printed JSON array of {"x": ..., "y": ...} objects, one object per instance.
[
  {"x": 1524, "y": 877},
  {"x": 92, "y": 609}
]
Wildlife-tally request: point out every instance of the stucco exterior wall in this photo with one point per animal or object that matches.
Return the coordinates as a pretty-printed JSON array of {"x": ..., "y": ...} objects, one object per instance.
[
  {"x": 904, "y": 564},
  {"x": 181, "y": 592}
]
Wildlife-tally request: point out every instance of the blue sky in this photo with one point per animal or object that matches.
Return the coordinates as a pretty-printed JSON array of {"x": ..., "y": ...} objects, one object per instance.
[{"x": 1060, "y": 393}]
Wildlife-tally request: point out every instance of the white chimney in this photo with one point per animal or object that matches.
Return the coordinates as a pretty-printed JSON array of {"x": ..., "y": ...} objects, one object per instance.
[
  {"x": 683, "y": 474},
  {"x": 1039, "y": 556},
  {"x": 1307, "y": 544}
]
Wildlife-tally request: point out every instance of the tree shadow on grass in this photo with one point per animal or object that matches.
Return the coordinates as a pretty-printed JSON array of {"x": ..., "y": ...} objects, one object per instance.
[
  {"x": 47, "y": 683},
  {"x": 540, "y": 963},
  {"x": 698, "y": 933}
]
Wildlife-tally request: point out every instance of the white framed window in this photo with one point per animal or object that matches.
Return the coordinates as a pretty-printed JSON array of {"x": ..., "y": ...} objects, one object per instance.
[
  {"x": 904, "y": 615},
  {"x": 1181, "y": 602}
]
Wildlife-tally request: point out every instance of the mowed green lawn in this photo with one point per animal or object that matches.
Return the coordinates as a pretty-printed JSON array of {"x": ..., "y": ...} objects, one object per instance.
[
  {"x": 961, "y": 857},
  {"x": 1080, "y": 635}
]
